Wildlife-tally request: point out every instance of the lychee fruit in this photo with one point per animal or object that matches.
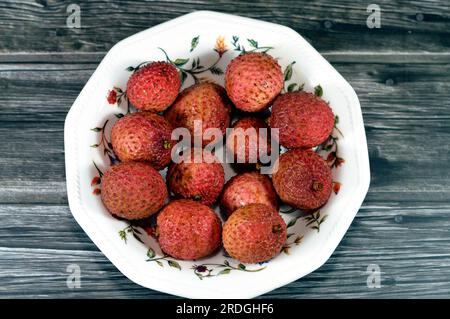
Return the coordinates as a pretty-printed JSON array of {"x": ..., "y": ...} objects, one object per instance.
[
  {"x": 188, "y": 230},
  {"x": 201, "y": 180},
  {"x": 154, "y": 86},
  {"x": 133, "y": 190},
  {"x": 143, "y": 136},
  {"x": 253, "y": 80},
  {"x": 247, "y": 142},
  {"x": 205, "y": 102},
  {"x": 304, "y": 120},
  {"x": 248, "y": 188},
  {"x": 254, "y": 233},
  {"x": 303, "y": 179}
]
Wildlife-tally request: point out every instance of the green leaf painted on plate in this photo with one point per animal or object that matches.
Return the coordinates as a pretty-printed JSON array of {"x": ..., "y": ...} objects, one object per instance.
[
  {"x": 194, "y": 43},
  {"x": 253, "y": 43},
  {"x": 224, "y": 272},
  {"x": 174, "y": 264},
  {"x": 180, "y": 62},
  {"x": 288, "y": 72},
  {"x": 183, "y": 76},
  {"x": 318, "y": 91},
  {"x": 151, "y": 253},
  {"x": 292, "y": 222},
  {"x": 215, "y": 70},
  {"x": 291, "y": 87}
]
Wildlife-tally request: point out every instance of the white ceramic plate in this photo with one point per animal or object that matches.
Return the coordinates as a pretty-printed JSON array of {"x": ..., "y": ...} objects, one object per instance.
[{"x": 207, "y": 38}]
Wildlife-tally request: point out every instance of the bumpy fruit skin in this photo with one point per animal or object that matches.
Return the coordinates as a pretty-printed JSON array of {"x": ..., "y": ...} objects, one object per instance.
[
  {"x": 248, "y": 188},
  {"x": 154, "y": 86},
  {"x": 303, "y": 179},
  {"x": 207, "y": 102},
  {"x": 254, "y": 233},
  {"x": 188, "y": 230},
  {"x": 253, "y": 80},
  {"x": 143, "y": 136},
  {"x": 133, "y": 190},
  {"x": 304, "y": 120},
  {"x": 249, "y": 152},
  {"x": 202, "y": 182}
]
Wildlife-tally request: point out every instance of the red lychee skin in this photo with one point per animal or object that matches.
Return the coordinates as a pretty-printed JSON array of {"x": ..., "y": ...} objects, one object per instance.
[
  {"x": 253, "y": 80},
  {"x": 248, "y": 188},
  {"x": 303, "y": 179},
  {"x": 133, "y": 190},
  {"x": 303, "y": 119},
  {"x": 143, "y": 136},
  {"x": 188, "y": 230},
  {"x": 202, "y": 182},
  {"x": 254, "y": 233},
  {"x": 207, "y": 102},
  {"x": 154, "y": 86},
  {"x": 241, "y": 151}
]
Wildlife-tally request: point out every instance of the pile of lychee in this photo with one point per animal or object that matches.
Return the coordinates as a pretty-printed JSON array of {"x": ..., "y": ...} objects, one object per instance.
[{"x": 186, "y": 225}]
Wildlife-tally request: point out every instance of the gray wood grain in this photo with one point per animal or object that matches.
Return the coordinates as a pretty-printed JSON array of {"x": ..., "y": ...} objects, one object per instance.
[
  {"x": 329, "y": 25},
  {"x": 401, "y": 73},
  {"x": 411, "y": 266}
]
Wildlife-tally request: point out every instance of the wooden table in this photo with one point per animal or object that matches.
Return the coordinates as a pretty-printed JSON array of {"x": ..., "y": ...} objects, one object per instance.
[{"x": 401, "y": 73}]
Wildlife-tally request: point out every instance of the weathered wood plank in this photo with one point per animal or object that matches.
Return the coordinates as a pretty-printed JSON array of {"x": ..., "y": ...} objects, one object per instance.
[
  {"x": 42, "y": 273},
  {"x": 329, "y": 25},
  {"x": 40, "y": 92},
  {"x": 414, "y": 262},
  {"x": 354, "y": 57}
]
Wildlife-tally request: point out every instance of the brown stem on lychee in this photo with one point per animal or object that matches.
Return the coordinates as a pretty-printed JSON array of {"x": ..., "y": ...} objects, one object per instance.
[
  {"x": 277, "y": 229},
  {"x": 167, "y": 145},
  {"x": 197, "y": 198},
  {"x": 155, "y": 232},
  {"x": 317, "y": 186}
]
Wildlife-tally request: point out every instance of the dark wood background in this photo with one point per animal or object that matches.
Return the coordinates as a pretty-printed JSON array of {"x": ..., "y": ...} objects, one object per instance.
[{"x": 401, "y": 73}]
